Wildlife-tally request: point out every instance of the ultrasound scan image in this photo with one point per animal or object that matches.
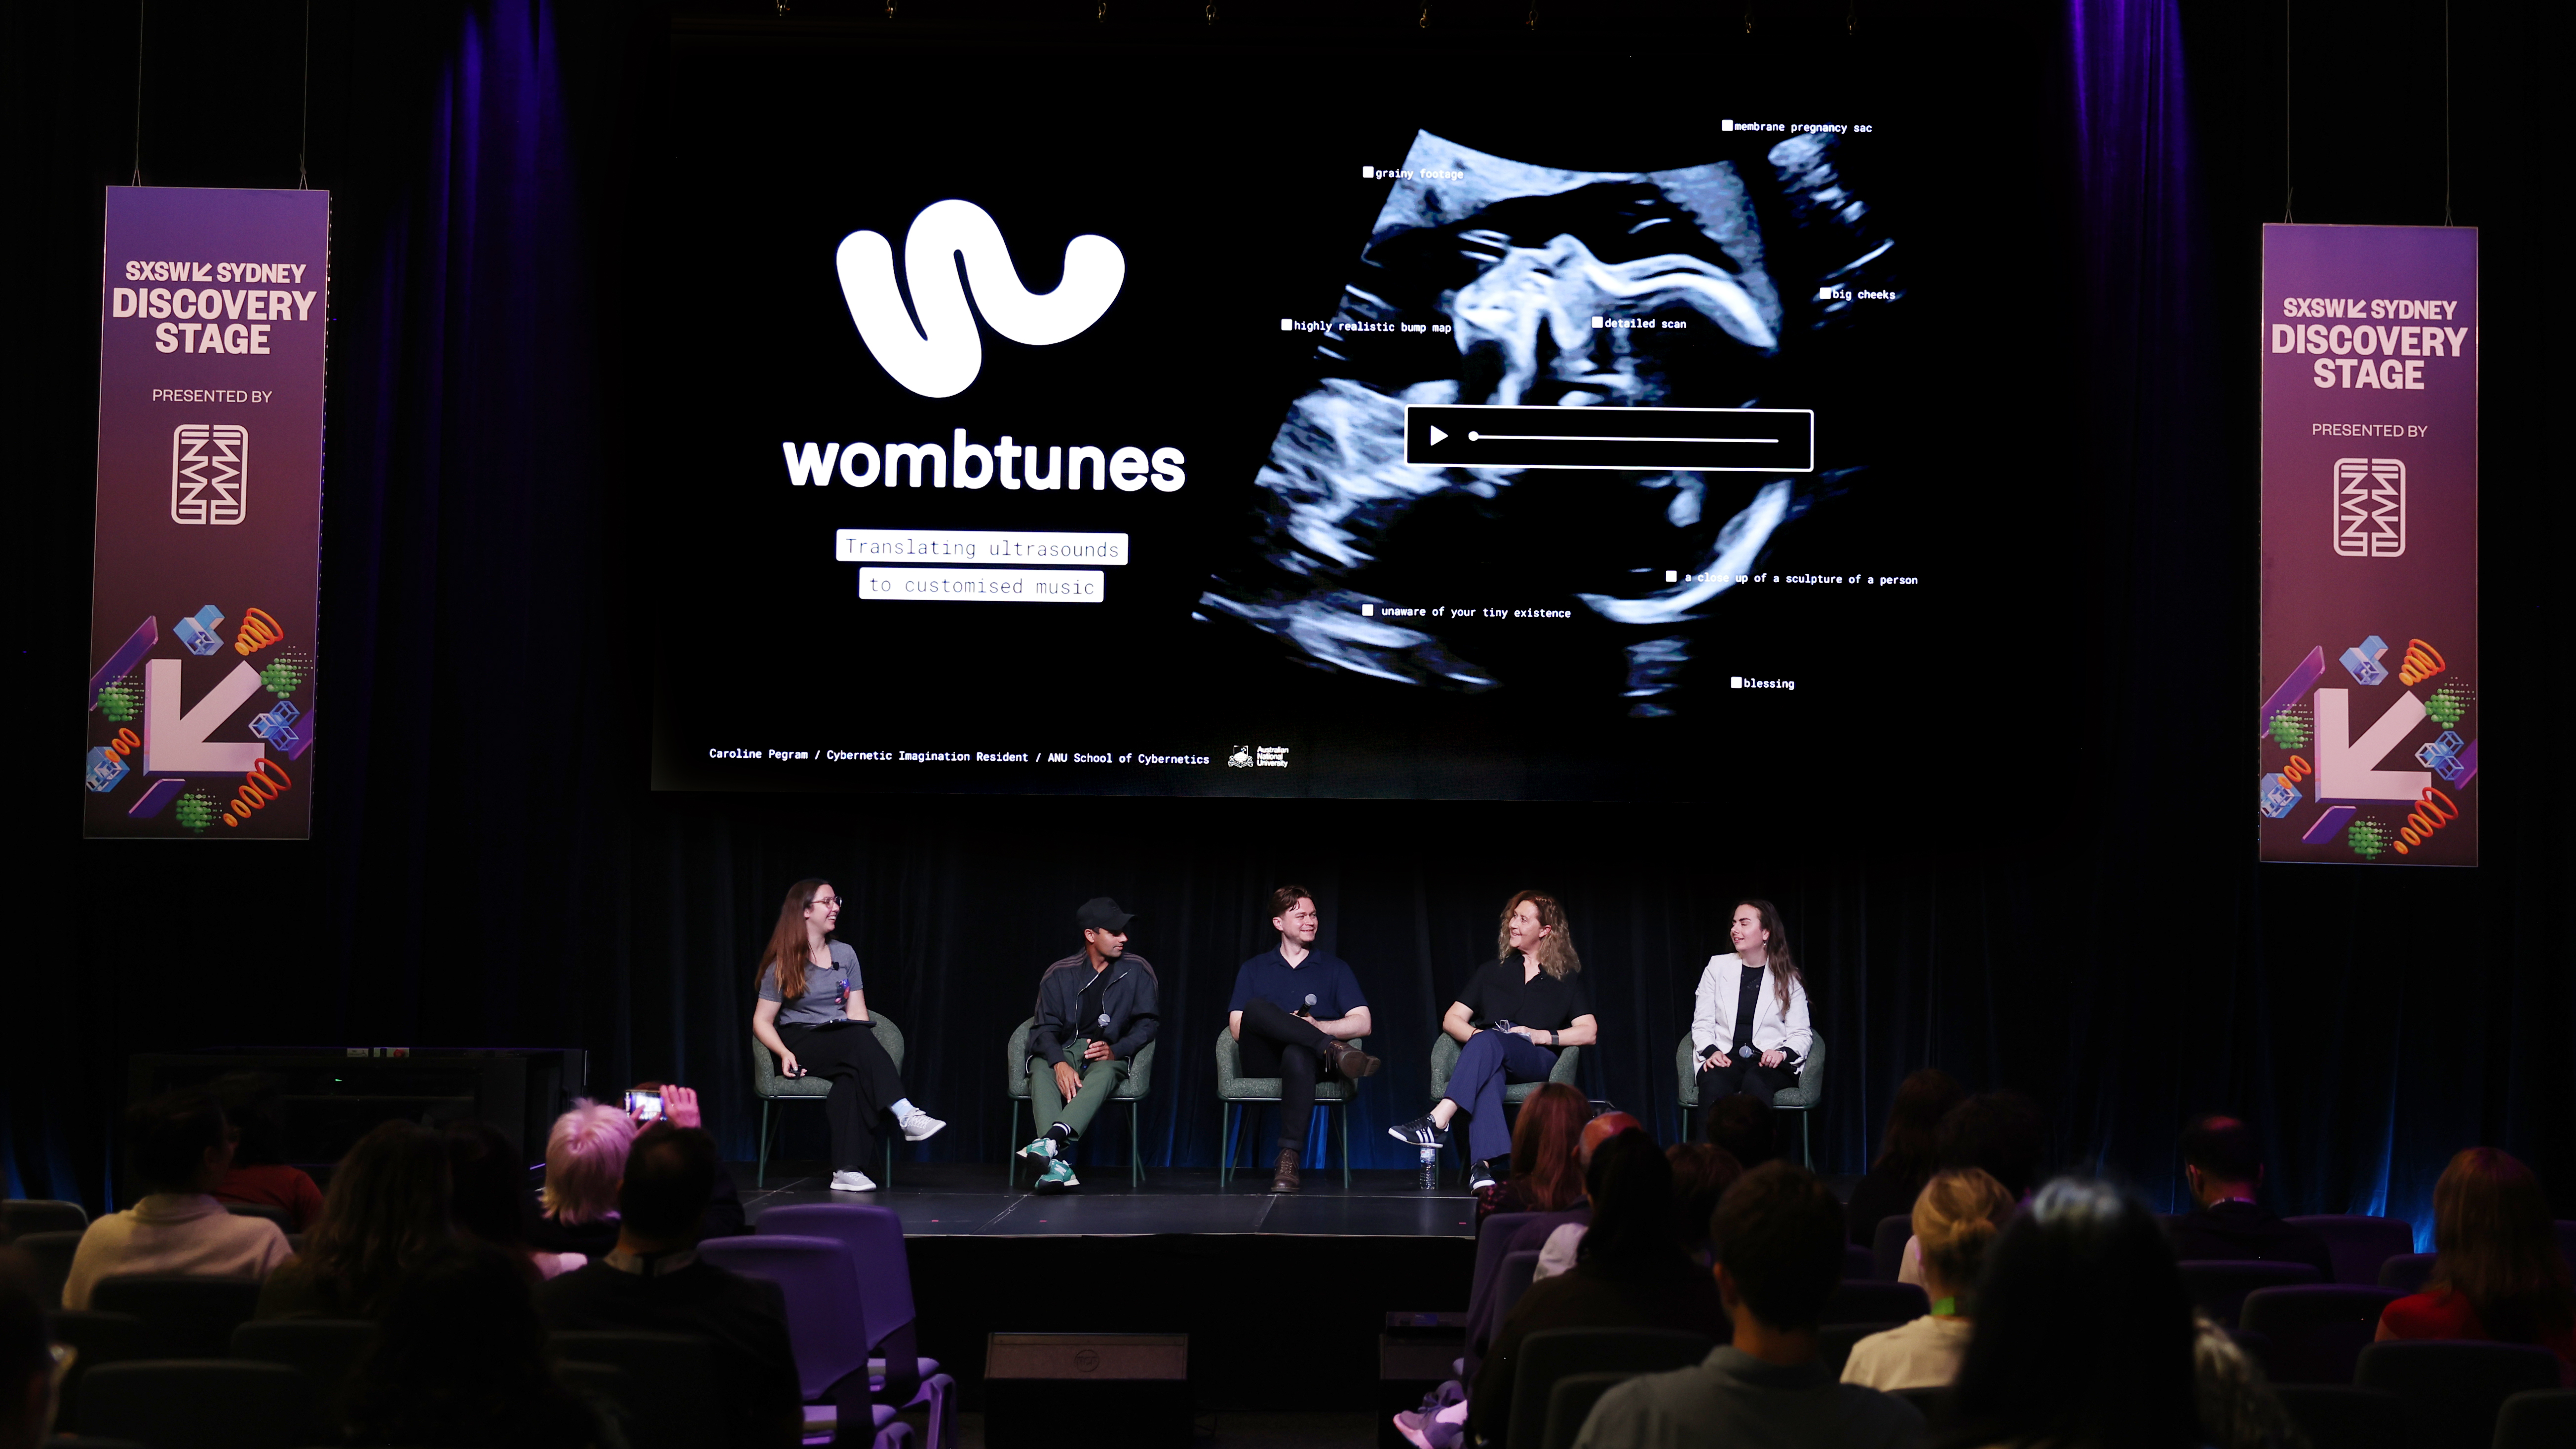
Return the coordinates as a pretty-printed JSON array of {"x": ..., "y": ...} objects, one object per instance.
[{"x": 1517, "y": 260}]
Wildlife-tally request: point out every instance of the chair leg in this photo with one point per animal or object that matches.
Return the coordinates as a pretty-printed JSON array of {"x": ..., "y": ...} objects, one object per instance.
[
  {"x": 1806, "y": 1147},
  {"x": 1233, "y": 1114},
  {"x": 1135, "y": 1144},
  {"x": 760, "y": 1174},
  {"x": 1011, "y": 1148},
  {"x": 1346, "y": 1146}
]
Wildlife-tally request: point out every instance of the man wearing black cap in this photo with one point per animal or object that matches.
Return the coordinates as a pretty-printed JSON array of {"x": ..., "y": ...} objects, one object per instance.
[{"x": 1096, "y": 1007}]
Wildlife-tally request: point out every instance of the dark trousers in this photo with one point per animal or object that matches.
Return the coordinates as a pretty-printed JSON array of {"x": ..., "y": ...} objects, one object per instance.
[
  {"x": 1277, "y": 1043},
  {"x": 1724, "y": 1077},
  {"x": 1490, "y": 1061},
  {"x": 864, "y": 1084}
]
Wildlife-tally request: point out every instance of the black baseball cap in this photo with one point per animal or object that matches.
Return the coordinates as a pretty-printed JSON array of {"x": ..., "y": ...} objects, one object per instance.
[{"x": 1102, "y": 913}]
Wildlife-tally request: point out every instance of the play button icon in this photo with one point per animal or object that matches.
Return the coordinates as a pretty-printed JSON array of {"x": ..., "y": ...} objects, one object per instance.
[{"x": 1438, "y": 437}]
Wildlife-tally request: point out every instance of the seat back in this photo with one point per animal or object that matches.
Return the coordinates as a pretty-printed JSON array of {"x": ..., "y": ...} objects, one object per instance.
[
  {"x": 197, "y": 1404},
  {"x": 2316, "y": 1330},
  {"x": 52, "y": 1252},
  {"x": 1872, "y": 1302},
  {"x": 1834, "y": 1342},
  {"x": 24, "y": 1215},
  {"x": 2407, "y": 1272},
  {"x": 2453, "y": 1388},
  {"x": 662, "y": 1385},
  {"x": 2359, "y": 1243},
  {"x": 325, "y": 1350},
  {"x": 873, "y": 1237},
  {"x": 1570, "y": 1402},
  {"x": 2537, "y": 1419},
  {"x": 1858, "y": 1262},
  {"x": 1552, "y": 1353},
  {"x": 184, "y": 1316},
  {"x": 1492, "y": 1236},
  {"x": 1518, "y": 1271},
  {"x": 101, "y": 1338},
  {"x": 820, "y": 1284},
  {"x": 285, "y": 1220},
  {"x": 1810, "y": 1089},
  {"x": 1233, "y": 1085},
  {"x": 1887, "y": 1246},
  {"x": 1934, "y": 1404},
  {"x": 2339, "y": 1416},
  {"x": 1015, "y": 1059},
  {"x": 2219, "y": 1285},
  {"x": 1686, "y": 1074}
]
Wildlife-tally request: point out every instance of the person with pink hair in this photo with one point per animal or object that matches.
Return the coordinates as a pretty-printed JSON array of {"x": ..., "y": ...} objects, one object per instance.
[{"x": 585, "y": 1160}]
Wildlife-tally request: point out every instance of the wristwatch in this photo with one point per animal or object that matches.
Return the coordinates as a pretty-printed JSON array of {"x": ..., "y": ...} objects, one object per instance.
[{"x": 1551, "y": 1038}]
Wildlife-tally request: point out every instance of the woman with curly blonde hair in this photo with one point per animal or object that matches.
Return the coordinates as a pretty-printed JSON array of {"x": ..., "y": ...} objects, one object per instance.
[{"x": 1512, "y": 1017}]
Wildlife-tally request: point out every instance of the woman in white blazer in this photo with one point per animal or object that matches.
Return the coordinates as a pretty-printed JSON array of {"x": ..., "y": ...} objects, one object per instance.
[{"x": 1749, "y": 1029}]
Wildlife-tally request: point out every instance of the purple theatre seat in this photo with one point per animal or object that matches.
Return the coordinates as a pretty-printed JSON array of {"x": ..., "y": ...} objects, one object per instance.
[
  {"x": 826, "y": 1319},
  {"x": 1856, "y": 1301},
  {"x": 2316, "y": 1330},
  {"x": 2451, "y": 1388},
  {"x": 2219, "y": 1285},
  {"x": 1859, "y": 1262},
  {"x": 1887, "y": 1248},
  {"x": 2567, "y": 1240},
  {"x": 2407, "y": 1272},
  {"x": 2359, "y": 1244},
  {"x": 873, "y": 1237}
]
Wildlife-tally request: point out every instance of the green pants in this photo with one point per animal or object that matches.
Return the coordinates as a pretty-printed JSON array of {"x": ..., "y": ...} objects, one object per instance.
[{"x": 1100, "y": 1082}]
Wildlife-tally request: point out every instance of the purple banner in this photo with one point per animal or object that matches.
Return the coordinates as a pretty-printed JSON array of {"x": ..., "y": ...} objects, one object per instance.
[
  {"x": 2369, "y": 715},
  {"x": 213, "y": 309}
]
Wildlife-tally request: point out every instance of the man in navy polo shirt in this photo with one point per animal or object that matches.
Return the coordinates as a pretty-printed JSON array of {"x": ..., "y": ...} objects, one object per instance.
[{"x": 1294, "y": 1010}]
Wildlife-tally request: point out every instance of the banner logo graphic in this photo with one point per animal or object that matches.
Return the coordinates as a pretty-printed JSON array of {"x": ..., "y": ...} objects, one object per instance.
[
  {"x": 2370, "y": 507},
  {"x": 941, "y": 356},
  {"x": 209, "y": 473}
]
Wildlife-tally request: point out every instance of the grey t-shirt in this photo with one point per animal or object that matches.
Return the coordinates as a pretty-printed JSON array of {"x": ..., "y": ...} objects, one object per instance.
[{"x": 826, "y": 991}]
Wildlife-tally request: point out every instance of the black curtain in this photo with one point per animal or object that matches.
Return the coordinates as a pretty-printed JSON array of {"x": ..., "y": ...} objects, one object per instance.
[{"x": 2068, "y": 908}]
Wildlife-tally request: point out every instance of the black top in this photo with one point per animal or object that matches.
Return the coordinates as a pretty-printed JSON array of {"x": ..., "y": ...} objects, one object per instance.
[
  {"x": 1748, "y": 999},
  {"x": 2245, "y": 1231},
  {"x": 1087, "y": 1021},
  {"x": 1496, "y": 992},
  {"x": 752, "y": 1360}
]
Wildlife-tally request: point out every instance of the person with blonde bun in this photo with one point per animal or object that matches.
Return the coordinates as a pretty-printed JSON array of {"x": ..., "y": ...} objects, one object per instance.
[{"x": 1958, "y": 1214}]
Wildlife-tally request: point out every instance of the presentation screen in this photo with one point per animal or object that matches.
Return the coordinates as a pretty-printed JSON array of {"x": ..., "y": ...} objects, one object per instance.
[{"x": 1124, "y": 419}]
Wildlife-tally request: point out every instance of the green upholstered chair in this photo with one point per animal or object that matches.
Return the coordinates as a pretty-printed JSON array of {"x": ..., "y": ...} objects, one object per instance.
[
  {"x": 770, "y": 1087},
  {"x": 1234, "y": 1091},
  {"x": 1017, "y": 1064},
  {"x": 1801, "y": 1099},
  {"x": 1444, "y": 1064}
]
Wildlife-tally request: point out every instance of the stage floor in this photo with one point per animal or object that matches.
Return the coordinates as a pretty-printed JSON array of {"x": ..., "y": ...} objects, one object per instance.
[{"x": 954, "y": 1199}]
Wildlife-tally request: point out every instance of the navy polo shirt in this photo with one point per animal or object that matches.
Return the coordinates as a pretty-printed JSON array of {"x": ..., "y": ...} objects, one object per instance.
[{"x": 1327, "y": 978}]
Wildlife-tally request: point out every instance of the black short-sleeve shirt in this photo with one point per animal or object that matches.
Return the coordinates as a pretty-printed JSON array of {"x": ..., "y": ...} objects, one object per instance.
[{"x": 1496, "y": 992}]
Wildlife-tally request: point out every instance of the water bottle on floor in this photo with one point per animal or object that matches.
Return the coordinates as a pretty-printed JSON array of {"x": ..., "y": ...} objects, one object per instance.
[{"x": 1430, "y": 1169}]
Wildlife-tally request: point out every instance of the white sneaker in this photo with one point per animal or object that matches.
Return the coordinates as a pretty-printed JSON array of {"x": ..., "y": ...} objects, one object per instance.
[
  {"x": 921, "y": 1127},
  {"x": 852, "y": 1182}
]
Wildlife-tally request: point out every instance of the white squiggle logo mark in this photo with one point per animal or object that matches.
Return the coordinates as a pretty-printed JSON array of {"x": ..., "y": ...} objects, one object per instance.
[{"x": 943, "y": 362}]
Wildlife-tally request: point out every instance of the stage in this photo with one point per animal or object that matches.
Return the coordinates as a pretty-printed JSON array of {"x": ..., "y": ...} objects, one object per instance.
[{"x": 949, "y": 1199}]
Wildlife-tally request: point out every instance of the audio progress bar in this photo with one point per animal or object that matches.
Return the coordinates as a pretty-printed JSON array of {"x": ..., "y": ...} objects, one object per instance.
[{"x": 1708, "y": 440}]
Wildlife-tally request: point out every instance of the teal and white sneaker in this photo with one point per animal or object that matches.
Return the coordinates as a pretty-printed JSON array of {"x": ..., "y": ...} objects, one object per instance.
[
  {"x": 1058, "y": 1176},
  {"x": 1042, "y": 1150}
]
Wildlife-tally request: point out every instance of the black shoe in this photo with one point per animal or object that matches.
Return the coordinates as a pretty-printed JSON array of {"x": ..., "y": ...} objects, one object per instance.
[
  {"x": 1420, "y": 1132},
  {"x": 1482, "y": 1176}
]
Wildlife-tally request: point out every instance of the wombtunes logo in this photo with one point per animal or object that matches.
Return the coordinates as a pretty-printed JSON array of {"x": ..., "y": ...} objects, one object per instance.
[
  {"x": 2370, "y": 507},
  {"x": 209, "y": 473},
  {"x": 942, "y": 357}
]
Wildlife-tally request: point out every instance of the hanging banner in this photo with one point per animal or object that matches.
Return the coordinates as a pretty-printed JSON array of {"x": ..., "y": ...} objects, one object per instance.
[
  {"x": 213, "y": 308},
  {"x": 2369, "y": 719}
]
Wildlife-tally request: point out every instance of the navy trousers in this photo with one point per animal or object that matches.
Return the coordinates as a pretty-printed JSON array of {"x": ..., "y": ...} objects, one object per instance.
[{"x": 1491, "y": 1061}]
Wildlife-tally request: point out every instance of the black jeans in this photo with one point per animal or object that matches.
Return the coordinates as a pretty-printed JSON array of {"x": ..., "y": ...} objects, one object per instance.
[
  {"x": 864, "y": 1084},
  {"x": 1723, "y": 1077},
  {"x": 1277, "y": 1043}
]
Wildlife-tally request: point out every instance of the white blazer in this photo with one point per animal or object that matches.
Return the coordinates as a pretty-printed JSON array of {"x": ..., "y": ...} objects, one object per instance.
[{"x": 1713, "y": 1022}]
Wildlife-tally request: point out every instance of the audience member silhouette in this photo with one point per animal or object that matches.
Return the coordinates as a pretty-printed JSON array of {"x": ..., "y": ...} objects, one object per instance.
[
  {"x": 1546, "y": 1177},
  {"x": 2084, "y": 1331},
  {"x": 1957, "y": 1215},
  {"x": 2000, "y": 1134},
  {"x": 1630, "y": 1273},
  {"x": 1778, "y": 1238},
  {"x": 461, "y": 1360},
  {"x": 654, "y": 1281},
  {"x": 1747, "y": 1127},
  {"x": 177, "y": 1147},
  {"x": 26, "y": 1356},
  {"x": 2222, "y": 1168},
  {"x": 488, "y": 1190},
  {"x": 386, "y": 1214},
  {"x": 576, "y": 1211},
  {"x": 1908, "y": 1152},
  {"x": 2500, "y": 1274},
  {"x": 1702, "y": 1172},
  {"x": 260, "y": 1175}
]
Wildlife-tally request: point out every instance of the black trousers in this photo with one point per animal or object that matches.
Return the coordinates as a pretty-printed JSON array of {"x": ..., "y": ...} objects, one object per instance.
[
  {"x": 1725, "y": 1076},
  {"x": 864, "y": 1084},
  {"x": 1278, "y": 1043}
]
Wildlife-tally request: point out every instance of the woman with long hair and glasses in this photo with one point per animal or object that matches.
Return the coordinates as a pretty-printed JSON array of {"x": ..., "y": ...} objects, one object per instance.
[
  {"x": 1512, "y": 1017},
  {"x": 1907, "y": 1155},
  {"x": 2083, "y": 1333},
  {"x": 813, "y": 1014},
  {"x": 1749, "y": 1025},
  {"x": 2499, "y": 1274},
  {"x": 386, "y": 1212}
]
